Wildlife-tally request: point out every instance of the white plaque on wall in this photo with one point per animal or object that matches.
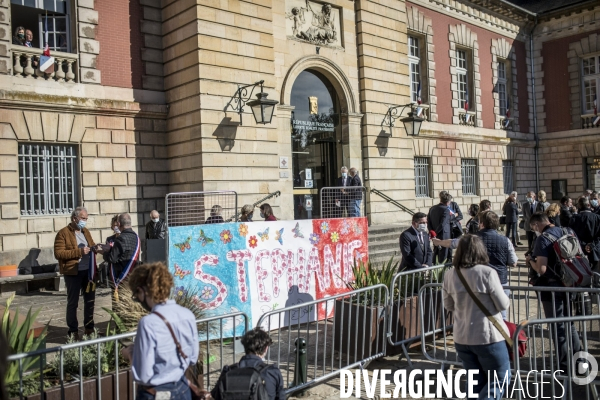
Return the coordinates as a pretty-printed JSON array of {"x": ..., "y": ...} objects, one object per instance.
[{"x": 283, "y": 162}]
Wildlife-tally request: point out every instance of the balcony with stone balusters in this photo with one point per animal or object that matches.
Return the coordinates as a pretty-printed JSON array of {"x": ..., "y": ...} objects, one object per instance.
[{"x": 26, "y": 64}]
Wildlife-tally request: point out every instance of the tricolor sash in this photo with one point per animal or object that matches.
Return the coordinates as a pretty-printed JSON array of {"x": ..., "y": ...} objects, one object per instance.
[
  {"x": 127, "y": 269},
  {"x": 92, "y": 273}
]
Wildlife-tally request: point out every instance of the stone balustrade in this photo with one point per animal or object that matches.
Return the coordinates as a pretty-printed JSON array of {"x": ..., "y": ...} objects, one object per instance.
[
  {"x": 467, "y": 118},
  {"x": 424, "y": 111},
  {"x": 506, "y": 124},
  {"x": 587, "y": 121},
  {"x": 26, "y": 62}
]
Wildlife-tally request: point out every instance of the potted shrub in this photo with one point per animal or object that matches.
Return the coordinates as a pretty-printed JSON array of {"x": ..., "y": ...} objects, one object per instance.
[{"x": 359, "y": 329}]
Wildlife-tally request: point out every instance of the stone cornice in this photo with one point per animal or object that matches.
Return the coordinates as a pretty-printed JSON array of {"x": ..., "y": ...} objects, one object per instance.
[{"x": 474, "y": 15}]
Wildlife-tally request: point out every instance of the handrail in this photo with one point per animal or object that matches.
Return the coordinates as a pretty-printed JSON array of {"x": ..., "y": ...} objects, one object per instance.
[
  {"x": 392, "y": 201},
  {"x": 267, "y": 197}
]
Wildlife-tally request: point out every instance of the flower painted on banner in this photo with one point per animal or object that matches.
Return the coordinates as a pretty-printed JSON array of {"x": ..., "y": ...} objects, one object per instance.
[
  {"x": 226, "y": 236},
  {"x": 180, "y": 291},
  {"x": 252, "y": 242},
  {"x": 314, "y": 239},
  {"x": 325, "y": 227},
  {"x": 243, "y": 230},
  {"x": 335, "y": 237},
  {"x": 345, "y": 228},
  {"x": 207, "y": 292}
]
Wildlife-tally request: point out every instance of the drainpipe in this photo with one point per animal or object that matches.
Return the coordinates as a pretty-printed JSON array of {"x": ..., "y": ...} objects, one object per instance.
[{"x": 535, "y": 128}]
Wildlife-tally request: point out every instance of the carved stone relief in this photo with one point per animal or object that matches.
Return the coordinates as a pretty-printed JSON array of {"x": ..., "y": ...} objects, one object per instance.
[{"x": 316, "y": 23}]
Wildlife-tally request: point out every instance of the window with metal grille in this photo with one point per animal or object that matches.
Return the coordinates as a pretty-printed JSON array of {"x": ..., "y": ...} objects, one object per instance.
[
  {"x": 422, "y": 177},
  {"x": 469, "y": 176},
  {"x": 414, "y": 61},
  {"x": 501, "y": 85},
  {"x": 463, "y": 80},
  {"x": 508, "y": 175},
  {"x": 47, "y": 179},
  {"x": 591, "y": 81}
]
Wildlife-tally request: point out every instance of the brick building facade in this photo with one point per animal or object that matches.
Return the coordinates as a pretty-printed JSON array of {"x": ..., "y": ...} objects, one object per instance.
[{"x": 140, "y": 105}]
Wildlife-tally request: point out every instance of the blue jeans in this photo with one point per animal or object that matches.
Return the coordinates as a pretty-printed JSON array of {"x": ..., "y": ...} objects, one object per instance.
[
  {"x": 487, "y": 358},
  {"x": 179, "y": 391},
  {"x": 354, "y": 208}
]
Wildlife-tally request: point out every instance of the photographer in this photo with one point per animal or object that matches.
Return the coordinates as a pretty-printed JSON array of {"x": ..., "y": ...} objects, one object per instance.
[{"x": 545, "y": 263}]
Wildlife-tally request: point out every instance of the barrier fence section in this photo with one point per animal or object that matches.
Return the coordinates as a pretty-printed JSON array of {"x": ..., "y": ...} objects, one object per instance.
[
  {"x": 351, "y": 336},
  {"x": 86, "y": 368},
  {"x": 404, "y": 326},
  {"x": 537, "y": 373},
  {"x": 340, "y": 202},
  {"x": 197, "y": 208},
  {"x": 582, "y": 310}
]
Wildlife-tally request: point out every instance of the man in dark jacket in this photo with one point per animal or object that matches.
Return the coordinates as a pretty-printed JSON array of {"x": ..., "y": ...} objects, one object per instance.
[
  {"x": 123, "y": 255},
  {"x": 438, "y": 220},
  {"x": 256, "y": 343},
  {"x": 156, "y": 228},
  {"x": 355, "y": 193},
  {"x": 566, "y": 210},
  {"x": 342, "y": 198},
  {"x": 414, "y": 244},
  {"x": 586, "y": 226}
]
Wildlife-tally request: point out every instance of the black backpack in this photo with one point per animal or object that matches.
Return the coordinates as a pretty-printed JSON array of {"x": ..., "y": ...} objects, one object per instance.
[{"x": 243, "y": 383}]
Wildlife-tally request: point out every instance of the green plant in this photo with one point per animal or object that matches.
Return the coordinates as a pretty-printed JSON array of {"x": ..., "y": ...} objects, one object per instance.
[
  {"x": 21, "y": 339},
  {"x": 365, "y": 275},
  {"x": 89, "y": 358},
  {"x": 31, "y": 385}
]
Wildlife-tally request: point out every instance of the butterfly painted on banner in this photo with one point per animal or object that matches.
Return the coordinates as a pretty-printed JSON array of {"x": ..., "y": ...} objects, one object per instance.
[
  {"x": 297, "y": 231},
  {"x": 180, "y": 272},
  {"x": 357, "y": 229},
  {"x": 264, "y": 235},
  {"x": 185, "y": 245},
  {"x": 204, "y": 239},
  {"x": 279, "y": 236}
]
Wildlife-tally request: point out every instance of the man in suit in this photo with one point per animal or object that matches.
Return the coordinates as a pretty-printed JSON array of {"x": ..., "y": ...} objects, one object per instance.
[
  {"x": 438, "y": 220},
  {"x": 586, "y": 224},
  {"x": 414, "y": 244},
  {"x": 355, "y": 193},
  {"x": 529, "y": 208},
  {"x": 342, "y": 197}
]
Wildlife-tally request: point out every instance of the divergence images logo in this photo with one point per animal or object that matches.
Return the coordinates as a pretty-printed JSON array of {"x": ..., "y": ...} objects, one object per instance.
[{"x": 585, "y": 371}]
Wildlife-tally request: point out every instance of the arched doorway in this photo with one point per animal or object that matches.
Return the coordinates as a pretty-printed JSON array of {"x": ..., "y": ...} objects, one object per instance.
[{"x": 316, "y": 136}]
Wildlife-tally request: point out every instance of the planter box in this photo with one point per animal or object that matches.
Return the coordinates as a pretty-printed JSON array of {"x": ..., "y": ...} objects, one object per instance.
[
  {"x": 406, "y": 318},
  {"x": 359, "y": 330},
  {"x": 90, "y": 390}
]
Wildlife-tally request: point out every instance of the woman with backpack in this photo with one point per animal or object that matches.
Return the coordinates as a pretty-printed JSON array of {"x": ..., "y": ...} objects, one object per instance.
[{"x": 166, "y": 343}]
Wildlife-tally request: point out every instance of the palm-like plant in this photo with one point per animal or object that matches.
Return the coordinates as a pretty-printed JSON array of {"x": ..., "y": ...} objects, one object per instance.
[{"x": 365, "y": 275}]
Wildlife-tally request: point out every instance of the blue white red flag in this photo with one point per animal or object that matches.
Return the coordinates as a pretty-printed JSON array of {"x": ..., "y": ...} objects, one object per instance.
[
  {"x": 46, "y": 61},
  {"x": 467, "y": 98},
  {"x": 419, "y": 101}
]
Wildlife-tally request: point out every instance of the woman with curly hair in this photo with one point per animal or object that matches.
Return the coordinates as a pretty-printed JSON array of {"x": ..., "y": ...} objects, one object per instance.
[
  {"x": 553, "y": 213},
  {"x": 167, "y": 339}
]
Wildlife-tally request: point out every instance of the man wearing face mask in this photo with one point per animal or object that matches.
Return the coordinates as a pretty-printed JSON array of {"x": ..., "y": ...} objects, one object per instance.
[
  {"x": 586, "y": 226},
  {"x": 595, "y": 203},
  {"x": 156, "y": 227},
  {"x": 529, "y": 208},
  {"x": 414, "y": 244},
  {"x": 123, "y": 255},
  {"x": 343, "y": 200},
  {"x": 74, "y": 250}
]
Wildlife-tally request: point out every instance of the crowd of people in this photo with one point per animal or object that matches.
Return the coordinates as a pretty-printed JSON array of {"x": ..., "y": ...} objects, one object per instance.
[{"x": 483, "y": 257}]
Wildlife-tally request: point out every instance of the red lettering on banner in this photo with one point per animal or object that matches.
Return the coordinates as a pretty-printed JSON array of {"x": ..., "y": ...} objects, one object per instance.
[
  {"x": 239, "y": 257},
  {"x": 210, "y": 280},
  {"x": 349, "y": 257},
  {"x": 323, "y": 278}
]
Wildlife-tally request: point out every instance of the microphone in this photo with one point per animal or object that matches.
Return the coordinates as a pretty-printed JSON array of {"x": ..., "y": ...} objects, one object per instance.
[{"x": 433, "y": 235}]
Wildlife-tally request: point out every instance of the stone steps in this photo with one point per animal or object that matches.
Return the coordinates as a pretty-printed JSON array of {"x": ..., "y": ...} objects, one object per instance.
[{"x": 384, "y": 242}]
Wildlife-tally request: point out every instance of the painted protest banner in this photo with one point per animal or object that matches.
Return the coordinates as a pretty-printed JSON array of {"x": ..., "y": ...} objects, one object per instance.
[{"x": 261, "y": 266}]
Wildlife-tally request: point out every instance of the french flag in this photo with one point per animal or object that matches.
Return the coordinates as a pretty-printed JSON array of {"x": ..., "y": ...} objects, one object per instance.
[
  {"x": 46, "y": 61},
  {"x": 467, "y": 98},
  {"x": 506, "y": 120},
  {"x": 419, "y": 101},
  {"x": 597, "y": 117}
]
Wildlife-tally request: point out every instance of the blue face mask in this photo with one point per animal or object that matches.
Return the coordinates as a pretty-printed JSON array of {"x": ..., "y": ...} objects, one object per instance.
[
  {"x": 594, "y": 202},
  {"x": 81, "y": 224},
  {"x": 530, "y": 200}
]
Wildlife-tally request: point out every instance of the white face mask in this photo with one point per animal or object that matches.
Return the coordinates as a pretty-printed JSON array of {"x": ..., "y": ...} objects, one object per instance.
[
  {"x": 155, "y": 220},
  {"x": 537, "y": 233},
  {"x": 422, "y": 228},
  {"x": 116, "y": 229}
]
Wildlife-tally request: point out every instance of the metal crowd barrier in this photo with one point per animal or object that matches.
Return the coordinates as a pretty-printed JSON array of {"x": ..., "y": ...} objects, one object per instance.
[
  {"x": 351, "y": 336},
  {"x": 121, "y": 377},
  {"x": 437, "y": 345},
  {"x": 340, "y": 202},
  {"x": 197, "y": 208},
  {"x": 404, "y": 326},
  {"x": 537, "y": 368}
]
